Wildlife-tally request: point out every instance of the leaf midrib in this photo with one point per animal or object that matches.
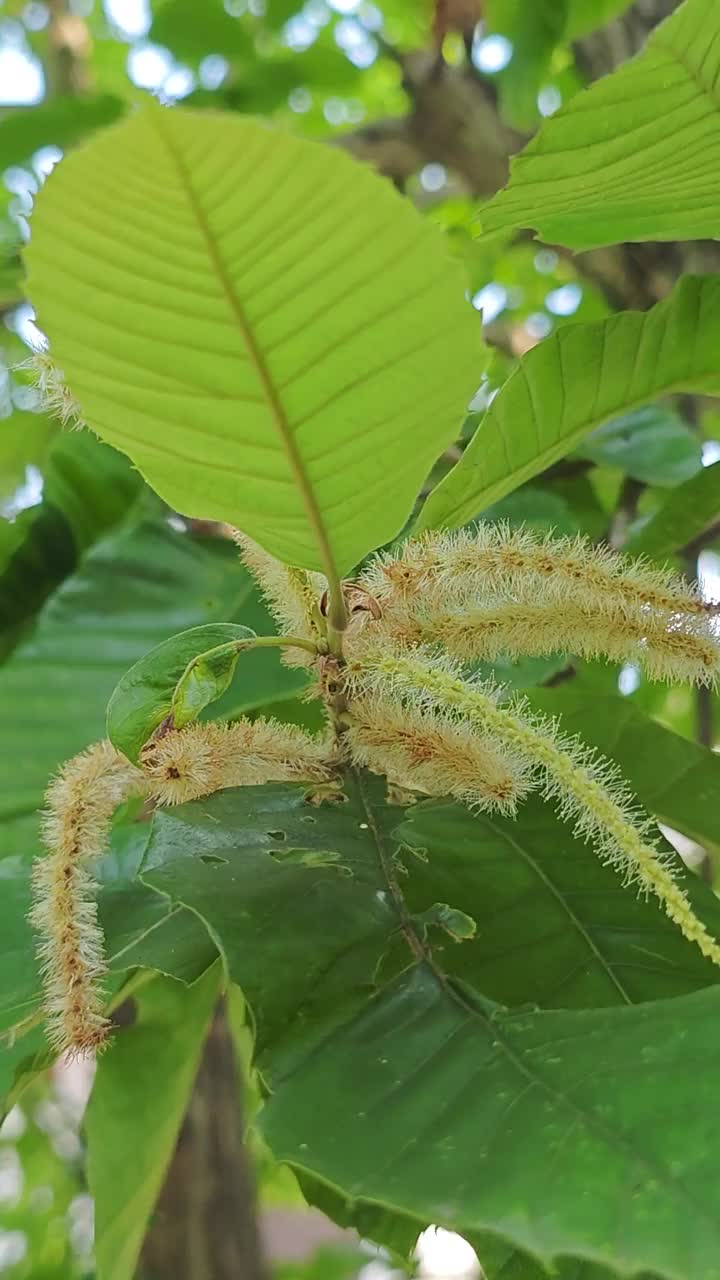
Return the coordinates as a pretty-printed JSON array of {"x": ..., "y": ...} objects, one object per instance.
[{"x": 284, "y": 429}]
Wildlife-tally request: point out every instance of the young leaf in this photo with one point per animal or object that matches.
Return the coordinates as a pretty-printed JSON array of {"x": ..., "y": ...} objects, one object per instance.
[
  {"x": 144, "y": 696},
  {"x": 267, "y": 328},
  {"x": 575, "y": 380},
  {"x": 130, "y": 1142},
  {"x": 634, "y": 157}
]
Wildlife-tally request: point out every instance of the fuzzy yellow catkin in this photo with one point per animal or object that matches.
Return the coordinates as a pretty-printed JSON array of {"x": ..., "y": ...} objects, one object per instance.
[
  {"x": 520, "y": 563},
  {"x": 80, "y": 802},
  {"x": 204, "y": 758},
  {"x": 665, "y": 647},
  {"x": 587, "y": 788},
  {"x": 292, "y": 595},
  {"x": 55, "y": 395},
  {"x": 430, "y": 751}
]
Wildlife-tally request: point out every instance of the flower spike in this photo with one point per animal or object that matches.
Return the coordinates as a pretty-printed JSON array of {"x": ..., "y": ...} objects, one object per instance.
[
  {"x": 80, "y": 804},
  {"x": 502, "y": 592},
  {"x": 586, "y": 787}
]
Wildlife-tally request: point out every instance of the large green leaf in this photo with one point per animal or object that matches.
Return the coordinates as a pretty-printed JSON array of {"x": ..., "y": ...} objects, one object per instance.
[
  {"x": 541, "y": 1128},
  {"x": 634, "y": 157},
  {"x": 577, "y": 379},
  {"x": 274, "y": 336},
  {"x": 135, "y": 589},
  {"x": 428, "y": 1086},
  {"x": 552, "y": 925},
  {"x": 131, "y": 1138},
  {"x": 686, "y": 514}
]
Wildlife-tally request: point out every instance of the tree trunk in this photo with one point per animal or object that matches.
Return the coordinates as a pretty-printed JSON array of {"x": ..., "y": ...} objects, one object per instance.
[{"x": 204, "y": 1226}]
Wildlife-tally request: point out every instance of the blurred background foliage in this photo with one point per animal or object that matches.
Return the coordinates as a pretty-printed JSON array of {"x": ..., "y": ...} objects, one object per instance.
[{"x": 437, "y": 96}]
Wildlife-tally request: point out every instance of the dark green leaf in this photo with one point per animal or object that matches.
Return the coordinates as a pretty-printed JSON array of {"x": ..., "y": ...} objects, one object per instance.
[
  {"x": 554, "y": 927},
  {"x": 541, "y": 1128}
]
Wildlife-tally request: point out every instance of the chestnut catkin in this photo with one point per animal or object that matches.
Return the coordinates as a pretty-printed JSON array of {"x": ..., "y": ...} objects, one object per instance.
[
  {"x": 666, "y": 647},
  {"x": 501, "y": 592},
  {"x": 79, "y": 805},
  {"x": 431, "y": 751},
  {"x": 519, "y": 564},
  {"x": 587, "y": 788},
  {"x": 291, "y": 595},
  {"x": 210, "y": 757}
]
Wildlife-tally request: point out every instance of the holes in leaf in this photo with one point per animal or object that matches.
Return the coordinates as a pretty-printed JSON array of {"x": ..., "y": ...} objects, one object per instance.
[
  {"x": 277, "y": 835},
  {"x": 212, "y": 859}
]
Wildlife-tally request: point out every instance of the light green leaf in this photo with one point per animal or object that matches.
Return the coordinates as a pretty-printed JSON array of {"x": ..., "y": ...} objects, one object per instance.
[
  {"x": 268, "y": 329},
  {"x": 686, "y": 514},
  {"x": 577, "y": 379},
  {"x": 130, "y": 1146},
  {"x": 634, "y": 157},
  {"x": 144, "y": 696}
]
